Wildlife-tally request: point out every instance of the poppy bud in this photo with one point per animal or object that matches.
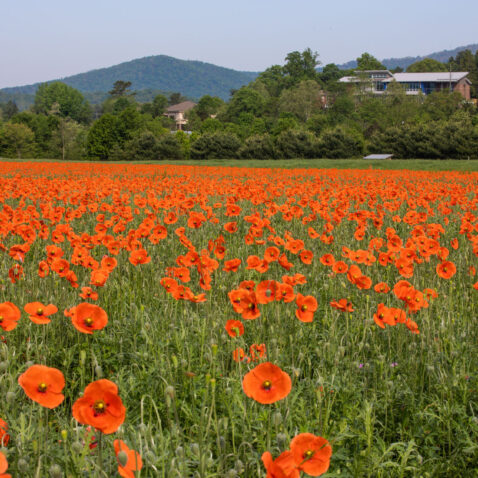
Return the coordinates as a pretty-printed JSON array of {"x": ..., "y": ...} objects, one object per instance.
[
  {"x": 150, "y": 456},
  {"x": 195, "y": 449},
  {"x": 55, "y": 471},
  {"x": 221, "y": 443},
  {"x": 122, "y": 458},
  {"x": 169, "y": 391},
  {"x": 64, "y": 434},
  {"x": 281, "y": 439},
  {"x": 22, "y": 465},
  {"x": 239, "y": 466},
  {"x": 98, "y": 371},
  {"x": 214, "y": 349},
  {"x": 142, "y": 428},
  {"x": 232, "y": 473},
  {"x": 3, "y": 366},
  {"x": 82, "y": 357},
  {"x": 179, "y": 452},
  {"x": 77, "y": 447},
  {"x": 10, "y": 396},
  {"x": 277, "y": 419}
]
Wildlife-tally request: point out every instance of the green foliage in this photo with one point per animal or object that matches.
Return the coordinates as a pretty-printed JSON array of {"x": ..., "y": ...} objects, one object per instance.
[
  {"x": 8, "y": 110},
  {"x": 369, "y": 62},
  {"x": 296, "y": 144},
  {"x": 102, "y": 136},
  {"x": 245, "y": 100},
  {"x": 71, "y": 103},
  {"x": 303, "y": 100},
  {"x": 16, "y": 140},
  {"x": 337, "y": 143},
  {"x": 301, "y": 66},
  {"x": 427, "y": 64},
  {"x": 221, "y": 144},
  {"x": 170, "y": 146},
  {"x": 258, "y": 147},
  {"x": 121, "y": 88},
  {"x": 208, "y": 106}
]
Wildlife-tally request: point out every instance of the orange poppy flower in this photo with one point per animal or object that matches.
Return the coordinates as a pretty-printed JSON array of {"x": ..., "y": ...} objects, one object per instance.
[
  {"x": 257, "y": 351},
  {"x": 239, "y": 355},
  {"x": 4, "y": 467},
  {"x": 232, "y": 265},
  {"x": 139, "y": 256},
  {"x": 306, "y": 306},
  {"x": 446, "y": 269},
  {"x": 327, "y": 260},
  {"x": 133, "y": 460},
  {"x": 343, "y": 304},
  {"x": 284, "y": 262},
  {"x": 100, "y": 407},
  {"x": 267, "y": 291},
  {"x": 234, "y": 328},
  {"x": 384, "y": 316},
  {"x": 43, "y": 269},
  {"x": 311, "y": 453},
  {"x": 88, "y": 293},
  {"x": 284, "y": 466},
  {"x": 43, "y": 385},
  {"x": 340, "y": 267},
  {"x": 249, "y": 285},
  {"x": 412, "y": 326},
  {"x": 381, "y": 288},
  {"x": 87, "y": 317},
  {"x": 306, "y": 257},
  {"x": 271, "y": 254},
  {"x": 4, "y": 436},
  {"x": 99, "y": 277},
  {"x": 230, "y": 227},
  {"x": 9, "y": 316},
  {"x": 39, "y": 313},
  {"x": 286, "y": 293},
  {"x": 266, "y": 383}
]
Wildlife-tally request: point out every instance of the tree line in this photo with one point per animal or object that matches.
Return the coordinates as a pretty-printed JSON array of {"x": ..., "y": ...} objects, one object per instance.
[{"x": 290, "y": 111}]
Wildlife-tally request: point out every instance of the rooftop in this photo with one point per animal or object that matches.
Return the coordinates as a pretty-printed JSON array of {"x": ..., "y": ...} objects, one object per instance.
[{"x": 181, "y": 107}]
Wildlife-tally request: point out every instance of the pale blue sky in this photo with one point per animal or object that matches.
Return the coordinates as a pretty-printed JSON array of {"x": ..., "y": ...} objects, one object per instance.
[{"x": 47, "y": 39}]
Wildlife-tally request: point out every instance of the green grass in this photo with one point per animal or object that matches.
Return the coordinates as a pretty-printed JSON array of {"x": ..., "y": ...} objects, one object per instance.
[{"x": 411, "y": 164}]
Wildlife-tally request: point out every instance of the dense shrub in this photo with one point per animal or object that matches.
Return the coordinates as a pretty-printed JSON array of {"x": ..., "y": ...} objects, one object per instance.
[
  {"x": 337, "y": 143},
  {"x": 296, "y": 144},
  {"x": 258, "y": 147},
  {"x": 221, "y": 144},
  {"x": 169, "y": 147}
]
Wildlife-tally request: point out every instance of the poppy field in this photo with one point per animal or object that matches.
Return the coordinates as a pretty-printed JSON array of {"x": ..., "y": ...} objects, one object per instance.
[{"x": 193, "y": 321}]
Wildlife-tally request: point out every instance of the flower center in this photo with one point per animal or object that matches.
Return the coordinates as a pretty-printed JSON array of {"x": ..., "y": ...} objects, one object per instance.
[
  {"x": 99, "y": 407},
  {"x": 39, "y": 311},
  {"x": 309, "y": 454},
  {"x": 89, "y": 322},
  {"x": 1, "y": 319},
  {"x": 267, "y": 385},
  {"x": 42, "y": 387},
  {"x": 304, "y": 308}
]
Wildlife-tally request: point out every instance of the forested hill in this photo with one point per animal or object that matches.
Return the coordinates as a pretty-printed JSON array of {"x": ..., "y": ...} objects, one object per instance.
[
  {"x": 442, "y": 56},
  {"x": 191, "y": 78}
]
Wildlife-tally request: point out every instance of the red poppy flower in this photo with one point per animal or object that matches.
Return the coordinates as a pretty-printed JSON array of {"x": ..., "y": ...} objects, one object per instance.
[
  {"x": 43, "y": 385},
  {"x": 283, "y": 466},
  {"x": 267, "y": 383},
  {"x": 446, "y": 269},
  {"x": 133, "y": 460},
  {"x": 100, "y": 407},
  {"x": 232, "y": 265},
  {"x": 4, "y": 436},
  {"x": 306, "y": 306},
  {"x": 88, "y": 317},
  {"x": 343, "y": 304},
  {"x": 311, "y": 453},
  {"x": 88, "y": 293},
  {"x": 4, "y": 467},
  {"x": 234, "y": 328},
  {"x": 9, "y": 316},
  {"x": 39, "y": 313}
]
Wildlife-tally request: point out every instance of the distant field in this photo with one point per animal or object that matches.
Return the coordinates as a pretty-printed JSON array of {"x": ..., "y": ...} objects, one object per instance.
[{"x": 413, "y": 164}]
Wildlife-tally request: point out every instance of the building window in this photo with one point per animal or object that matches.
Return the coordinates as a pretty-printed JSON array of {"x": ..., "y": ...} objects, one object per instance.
[
  {"x": 378, "y": 86},
  {"x": 414, "y": 86}
]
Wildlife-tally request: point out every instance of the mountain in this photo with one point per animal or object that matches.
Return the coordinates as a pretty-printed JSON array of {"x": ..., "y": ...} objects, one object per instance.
[
  {"x": 404, "y": 62},
  {"x": 164, "y": 73}
]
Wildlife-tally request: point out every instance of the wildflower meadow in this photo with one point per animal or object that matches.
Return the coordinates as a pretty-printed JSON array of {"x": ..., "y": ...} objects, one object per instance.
[{"x": 193, "y": 321}]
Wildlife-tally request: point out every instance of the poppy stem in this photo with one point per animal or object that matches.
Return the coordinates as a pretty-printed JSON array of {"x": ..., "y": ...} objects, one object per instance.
[{"x": 100, "y": 452}]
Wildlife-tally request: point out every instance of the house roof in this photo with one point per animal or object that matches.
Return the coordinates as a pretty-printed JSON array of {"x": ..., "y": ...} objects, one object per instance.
[
  {"x": 181, "y": 107},
  {"x": 439, "y": 76}
]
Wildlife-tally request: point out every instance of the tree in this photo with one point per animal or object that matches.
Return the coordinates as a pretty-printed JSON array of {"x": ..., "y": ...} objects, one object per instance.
[
  {"x": 159, "y": 105},
  {"x": 330, "y": 73},
  {"x": 9, "y": 109},
  {"x": 67, "y": 130},
  {"x": 121, "y": 88},
  {"x": 273, "y": 80},
  {"x": 16, "y": 139},
  {"x": 175, "y": 98},
  {"x": 303, "y": 100},
  {"x": 369, "y": 62},
  {"x": 71, "y": 102},
  {"x": 208, "y": 106},
  {"x": 245, "y": 100},
  {"x": 301, "y": 66},
  {"x": 425, "y": 65},
  {"x": 102, "y": 136}
]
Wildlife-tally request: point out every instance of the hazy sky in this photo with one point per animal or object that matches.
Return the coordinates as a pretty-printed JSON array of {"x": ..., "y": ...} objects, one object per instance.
[{"x": 48, "y": 39}]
